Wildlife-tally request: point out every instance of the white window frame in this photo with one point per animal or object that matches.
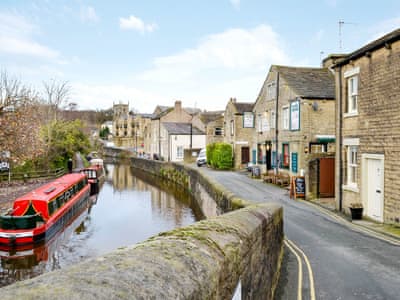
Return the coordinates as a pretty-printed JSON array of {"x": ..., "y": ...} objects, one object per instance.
[
  {"x": 179, "y": 152},
  {"x": 271, "y": 90},
  {"x": 285, "y": 117},
  {"x": 273, "y": 119},
  {"x": 352, "y": 163},
  {"x": 232, "y": 124},
  {"x": 259, "y": 123},
  {"x": 352, "y": 79}
]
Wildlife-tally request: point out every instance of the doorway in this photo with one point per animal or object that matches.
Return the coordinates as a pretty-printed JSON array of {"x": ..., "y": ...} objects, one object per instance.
[
  {"x": 245, "y": 155},
  {"x": 326, "y": 186},
  {"x": 373, "y": 185}
]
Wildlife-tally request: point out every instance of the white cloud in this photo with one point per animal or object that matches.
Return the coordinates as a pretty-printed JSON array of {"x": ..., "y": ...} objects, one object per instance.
[
  {"x": 135, "y": 23},
  {"x": 16, "y": 37},
  {"x": 235, "y": 3},
  {"x": 97, "y": 96},
  {"x": 88, "y": 14},
  {"x": 232, "y": 63},
  {"x": 233, "y": 50}
]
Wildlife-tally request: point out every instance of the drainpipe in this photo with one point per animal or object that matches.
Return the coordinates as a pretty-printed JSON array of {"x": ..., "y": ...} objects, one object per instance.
[
  {"x": 276, "y": 125},
  {"x": 340, "y": 139},
  {"x": 159, "y": 138}
]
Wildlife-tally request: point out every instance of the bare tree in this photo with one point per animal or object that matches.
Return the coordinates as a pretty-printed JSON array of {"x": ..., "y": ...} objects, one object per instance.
[
  {"x": 56, "y": 96},
  {"x": 13, "y": 93},
  {"x": 19, "y": 119}
]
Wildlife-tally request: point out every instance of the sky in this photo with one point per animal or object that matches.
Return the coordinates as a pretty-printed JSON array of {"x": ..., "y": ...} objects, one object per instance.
[{"x": 154, "y": 52}]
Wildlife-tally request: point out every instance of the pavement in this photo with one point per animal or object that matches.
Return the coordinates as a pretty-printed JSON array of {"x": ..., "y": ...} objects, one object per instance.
[{"x": 327, "y": 205}]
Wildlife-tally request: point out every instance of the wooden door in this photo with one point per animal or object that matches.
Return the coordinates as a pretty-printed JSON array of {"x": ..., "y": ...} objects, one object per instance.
[
  {"x": 327, "y": 177},
  {"x": 245, "y": 155}
]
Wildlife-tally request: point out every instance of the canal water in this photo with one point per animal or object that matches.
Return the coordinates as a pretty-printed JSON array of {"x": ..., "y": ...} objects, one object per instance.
[{"x": 130, "y": 207}]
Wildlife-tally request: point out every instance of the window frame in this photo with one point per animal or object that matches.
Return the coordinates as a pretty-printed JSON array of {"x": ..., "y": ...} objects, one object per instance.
[
  {"x": 179, "y": 152},
  {"x": 218, "y": 130},
  {"x": 285, "y": 118},
  {"x": 287, "y": 156},
  {"x": 352, "y": 91},
  {"x": 273, "y": 119},
  {"x": 352, "y": 165}
]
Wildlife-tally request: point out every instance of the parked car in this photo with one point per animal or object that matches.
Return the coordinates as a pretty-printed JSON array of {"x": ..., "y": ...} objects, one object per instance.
[{"x": 201, "y": 158}]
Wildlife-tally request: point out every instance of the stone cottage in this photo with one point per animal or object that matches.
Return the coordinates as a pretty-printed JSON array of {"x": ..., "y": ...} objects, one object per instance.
[
  {"x": 368, "y": 127},
  {"x": 295, "y": 123}
]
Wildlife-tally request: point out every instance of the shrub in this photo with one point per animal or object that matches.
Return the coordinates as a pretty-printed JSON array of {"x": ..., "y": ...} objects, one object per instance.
[{"x": 219, "y": 156}]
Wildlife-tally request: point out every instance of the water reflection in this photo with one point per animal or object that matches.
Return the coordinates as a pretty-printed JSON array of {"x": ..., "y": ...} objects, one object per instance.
[{"x": 131, "y": 207}]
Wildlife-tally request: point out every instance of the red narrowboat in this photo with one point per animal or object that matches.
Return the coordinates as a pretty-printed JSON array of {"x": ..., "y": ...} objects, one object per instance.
[
  {"x": 40, "y": 214},
  {"x": 96, "y": 176}
]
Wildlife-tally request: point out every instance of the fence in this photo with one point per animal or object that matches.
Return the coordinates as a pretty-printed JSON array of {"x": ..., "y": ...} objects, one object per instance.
[{"x": 24, "y": 176}]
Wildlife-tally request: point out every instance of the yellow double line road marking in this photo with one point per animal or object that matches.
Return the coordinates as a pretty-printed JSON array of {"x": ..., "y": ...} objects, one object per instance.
[{"x": 297, "y": 252}]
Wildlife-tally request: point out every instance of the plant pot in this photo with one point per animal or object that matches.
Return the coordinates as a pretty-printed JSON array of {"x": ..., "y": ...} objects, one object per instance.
[{"x": 356, "y": 213}]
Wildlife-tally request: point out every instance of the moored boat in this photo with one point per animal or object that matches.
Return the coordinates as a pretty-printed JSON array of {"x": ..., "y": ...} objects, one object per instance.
[
  {"x": 95, "y": 175},
  {"x": 40, "y": 214}
]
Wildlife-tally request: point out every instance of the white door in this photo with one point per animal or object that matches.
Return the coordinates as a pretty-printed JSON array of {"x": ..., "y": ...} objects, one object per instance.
[{"x": 375, "y": 189}]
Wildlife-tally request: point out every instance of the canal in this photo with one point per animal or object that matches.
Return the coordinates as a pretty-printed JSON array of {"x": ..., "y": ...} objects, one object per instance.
[{"x": 130, "y": 207}]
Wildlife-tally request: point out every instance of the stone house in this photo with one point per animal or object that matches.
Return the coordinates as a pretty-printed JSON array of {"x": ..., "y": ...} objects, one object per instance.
[
  {"x": 238, "y": 129},
  {"x": 176, "y": 137},
  {"x": 122, "y": 126},
  {"x": 212, "y": 123},
  {"x": 155, "y": 136},
  {"x": 368, "y": 127},
  {"x": 294, "y": 120},
  {"x": 128, "y": 128}
]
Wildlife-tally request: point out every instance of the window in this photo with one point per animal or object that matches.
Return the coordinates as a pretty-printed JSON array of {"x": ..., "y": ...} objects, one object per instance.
[
  {"x": 273, "y": 120},
  {"x": 218, "y": 131},
  {"x": 352, "y": 165},
  {"x": 259, "y": 123},
  {"x": 264, "y": 122},
  {"x": 286, "y": 160},
  {"x": 351, "y": 77},
  {"x": 352, "y": 94},
  {"x": 232, "y": 128},
  {"x": 285, "y": 118},
  {"x": 179, "y": 152},
  {"x": 271, "y": 90}
]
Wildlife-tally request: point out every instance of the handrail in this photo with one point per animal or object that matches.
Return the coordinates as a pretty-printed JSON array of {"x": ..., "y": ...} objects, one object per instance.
[{"x": 32, "y": 175}]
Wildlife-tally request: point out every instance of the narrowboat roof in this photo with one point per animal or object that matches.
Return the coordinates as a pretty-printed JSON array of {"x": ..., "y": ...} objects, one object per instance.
[{"x": 49, "y": 190}]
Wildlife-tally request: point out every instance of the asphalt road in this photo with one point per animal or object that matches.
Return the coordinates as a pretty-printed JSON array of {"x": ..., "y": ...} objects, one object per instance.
[{"x": 342, "y": 262}]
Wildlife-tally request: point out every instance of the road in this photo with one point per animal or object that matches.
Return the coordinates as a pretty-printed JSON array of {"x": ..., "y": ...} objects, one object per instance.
[{"x": 325, "y": 256}]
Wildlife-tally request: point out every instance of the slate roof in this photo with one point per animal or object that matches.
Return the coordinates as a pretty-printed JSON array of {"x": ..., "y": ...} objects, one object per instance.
[
  {"x": 374, "y": 45},
  {"x": 311, "y": 83},
  {"x": 210, "y": 116},
  {"x": 181, "y": 128},
  {"x": 242, "y": 107}
]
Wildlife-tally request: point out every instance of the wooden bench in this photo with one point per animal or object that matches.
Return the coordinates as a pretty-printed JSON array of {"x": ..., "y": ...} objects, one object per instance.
[
  {"x": 269, "y": 176},
  {"x": 282, "y": 179}
]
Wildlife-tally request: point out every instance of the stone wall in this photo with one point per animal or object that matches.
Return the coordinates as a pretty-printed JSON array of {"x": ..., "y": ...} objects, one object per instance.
[
  {"x": 206, "y": 260},
  {"x": 375, "y": 126}
]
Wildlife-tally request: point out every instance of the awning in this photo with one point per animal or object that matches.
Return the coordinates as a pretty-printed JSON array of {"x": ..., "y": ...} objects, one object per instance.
[{"x": 321, "y": 138}]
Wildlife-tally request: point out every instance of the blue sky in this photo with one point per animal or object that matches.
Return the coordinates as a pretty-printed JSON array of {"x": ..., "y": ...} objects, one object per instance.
[{"x": 201, "y": 52}]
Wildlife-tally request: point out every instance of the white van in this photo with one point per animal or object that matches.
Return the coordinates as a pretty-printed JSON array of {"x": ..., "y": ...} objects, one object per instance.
[{"x": 201, "y": 158}]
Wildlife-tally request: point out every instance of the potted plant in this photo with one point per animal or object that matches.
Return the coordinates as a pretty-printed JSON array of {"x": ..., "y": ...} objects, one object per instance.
[{"x": 356, "y": 210}]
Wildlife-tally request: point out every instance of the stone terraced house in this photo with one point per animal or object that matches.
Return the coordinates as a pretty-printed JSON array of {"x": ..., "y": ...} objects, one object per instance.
[
  {"x": 295, "y": 126},
  {"x": 238, "y": 129},
  {"x": 368, "y": 127}
]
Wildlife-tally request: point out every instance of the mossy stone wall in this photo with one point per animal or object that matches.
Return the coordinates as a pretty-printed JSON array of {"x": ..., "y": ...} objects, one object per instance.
[{"x": 206, "y": 260}]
